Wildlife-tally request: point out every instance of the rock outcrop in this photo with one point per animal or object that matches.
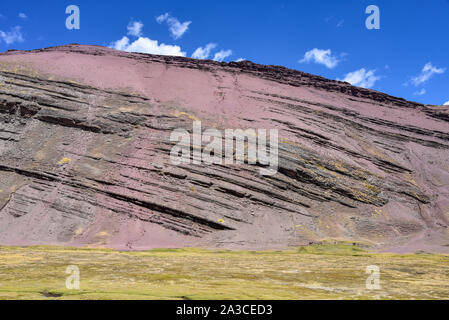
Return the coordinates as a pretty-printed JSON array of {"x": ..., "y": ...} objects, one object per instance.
[{"x": 84, "y": 156}]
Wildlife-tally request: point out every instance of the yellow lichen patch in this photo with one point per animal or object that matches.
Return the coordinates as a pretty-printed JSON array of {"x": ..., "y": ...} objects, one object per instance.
[
  {"x": 409, "y": 178},
  {"x": 177, "y": 114},
  {"x": 64, "y": 161},
  {"x": 325, "y": 169},
  {"x": 127, "y": 108},
  {"x": 339, "y": 166},
  {"x": 192, "y": 188},
  {"x": 102, "y": 234},
  {"x": 193, "y": 118},
  {"x": 296, "y": 144},
  {"x": 370, "y": 187},
  {"x": 378, "y": 211},
  {"x": 220, "y": 220},
  {"x": 78, "y": 231},
  {"x": 1, "y": 190}
]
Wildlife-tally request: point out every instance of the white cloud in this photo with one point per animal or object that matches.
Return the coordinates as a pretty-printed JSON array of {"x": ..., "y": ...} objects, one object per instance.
[
  {"x": 427, "y": 72},
  {"x": 240, "y": 60},
  {"x": 420, "y": 92},
  {"x": 121, "y": 44},
  {"x": 362, "y": 78},
  {"x": 177, "y": 29},
  {"x": 135, "y": 28},
  {"x": 204, "y": 53},
  {"x": 319, "y": 56},
  {"x": 15, "y": 35},
  {"x": 446, "y": 103},
  {"x": 221, "y": 55},
  {"x": 22, "y": 15},
  {"x": 146, "y": 45}
]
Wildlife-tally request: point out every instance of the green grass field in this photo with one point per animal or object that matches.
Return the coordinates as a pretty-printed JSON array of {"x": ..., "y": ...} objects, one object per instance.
[{"x": 314, "y": 272}]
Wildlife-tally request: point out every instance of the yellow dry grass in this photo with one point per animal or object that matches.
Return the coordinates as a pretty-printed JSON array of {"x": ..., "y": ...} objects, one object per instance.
[{"x": 326, "y": 271}]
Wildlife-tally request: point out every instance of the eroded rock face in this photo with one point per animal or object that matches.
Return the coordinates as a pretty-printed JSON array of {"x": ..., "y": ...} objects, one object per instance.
[{"x": 84, "y": 156}]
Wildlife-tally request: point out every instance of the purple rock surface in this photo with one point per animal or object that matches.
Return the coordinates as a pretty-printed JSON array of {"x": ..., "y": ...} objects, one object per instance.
[{"x": 85, "y": 156}]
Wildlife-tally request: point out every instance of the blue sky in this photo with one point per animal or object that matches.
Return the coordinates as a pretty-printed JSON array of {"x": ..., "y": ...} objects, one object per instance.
[{"x": 408, "y": 57}]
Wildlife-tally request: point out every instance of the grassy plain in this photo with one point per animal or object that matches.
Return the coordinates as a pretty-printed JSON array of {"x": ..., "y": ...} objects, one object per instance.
[{"x": 336, "y": 271}]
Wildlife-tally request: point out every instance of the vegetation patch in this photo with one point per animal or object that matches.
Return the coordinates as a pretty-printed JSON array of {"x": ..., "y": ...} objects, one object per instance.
[{"x": 331, "y": 269}]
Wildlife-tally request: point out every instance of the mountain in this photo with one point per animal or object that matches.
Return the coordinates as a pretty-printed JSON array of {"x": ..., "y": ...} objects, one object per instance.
[{"x": 85, "y": 156}]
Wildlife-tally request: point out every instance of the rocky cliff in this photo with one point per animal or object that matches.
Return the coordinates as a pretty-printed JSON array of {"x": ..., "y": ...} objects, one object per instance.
[{"x": 84, "y": 156}]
